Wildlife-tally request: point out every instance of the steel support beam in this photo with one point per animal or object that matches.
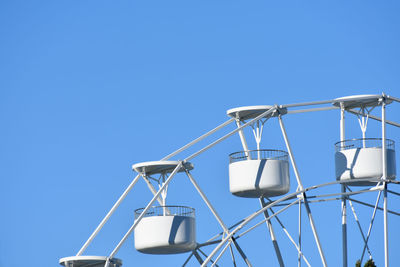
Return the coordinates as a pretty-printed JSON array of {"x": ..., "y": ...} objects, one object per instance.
[
  {"x": 216, "y": 215},
  {"x": 370, "y": 225},
  {"x": 299, "y": 239},
  {"x": 198, "y": 139},
  {"x": 384, "y": 177},
  {"x": 310, "y": 110},
  {"x": 310, "y": 217},
  {"x": 107, "y": 217},
  {"x": 272, "y": 234},
  {"x": 230, "y": 133},
  {"x": 298, "y": 247},
  {"x": 343, "y": 189}
]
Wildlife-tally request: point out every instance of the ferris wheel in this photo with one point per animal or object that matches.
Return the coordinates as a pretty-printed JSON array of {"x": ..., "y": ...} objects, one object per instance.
[{"x": 363, "y": 167}]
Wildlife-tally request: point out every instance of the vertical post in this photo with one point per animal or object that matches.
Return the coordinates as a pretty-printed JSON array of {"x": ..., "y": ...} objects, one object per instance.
[
  {"x": 342, "y": 124},
  {"x": 258, "y": 139},
  {"x": 344, "y": 227},
  {"x": 384, "y": 177},
  {"x": 299, "y": 254},
  {"x": 364, "y": 122},
  {"x": 364, "y": 130},
  {"x": 344, "y": 203},
  {"x": 385, "y": 226}
]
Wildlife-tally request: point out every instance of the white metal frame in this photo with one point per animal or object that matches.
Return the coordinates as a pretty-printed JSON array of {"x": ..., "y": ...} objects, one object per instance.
[{"x": 229, "y": 235}]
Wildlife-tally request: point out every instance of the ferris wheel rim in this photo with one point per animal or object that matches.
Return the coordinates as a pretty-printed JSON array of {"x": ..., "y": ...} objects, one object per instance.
[{"x": 254, "y": 215}]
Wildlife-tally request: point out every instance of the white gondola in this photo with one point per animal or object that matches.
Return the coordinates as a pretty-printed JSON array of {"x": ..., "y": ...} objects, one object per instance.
[
  {"x": 259, "y": 173},
  {"x": 166, "y": 230},
  {"x": 362, "y": 159},
  {"x": 262, "y": 172}
]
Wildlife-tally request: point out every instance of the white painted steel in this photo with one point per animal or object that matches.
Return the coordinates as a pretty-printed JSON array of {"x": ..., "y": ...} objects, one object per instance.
[
  {"x": 198, "y": 257},
  {"x": 153, "y": 190},
  {"x": 272, "y": 234},
  {"x": 246, "y": 221},
  {"x": 393, "y": 98},
  {"x": 296, "y": 111},
  {"x": 385, "y": 226},
  {"x": 251, "y": 112},
  {"x": 243, "y": 139},
  {"x": 298, "y": 247},
  {"x": 219, "y": 256},
  {"x": 279, "y": 202},
  {"x": 299, "y": 238},
  {"x": 370, "y": 226},
  {"x": 259, "y": 178},
  {"x": 344, "y": 227},
  {"x": 343, "y": 189},
  {"x": 230, "y": 134},
  {"x": 359, "y": 101},
  {"x": 92, "y": 261},
  {"x": 108, "y": 215},
  {"x": 306, "y": 104},
  {"x": 139, "y": 166},
  {"x": 165, "y": 234},
  {"x": 161, "y": 166},
  {"x": 385, "y": 175},
  {"x": 208, "y": 203},
  {"x": 257, "y": 132},
  {"x": 254, "y": 114},
  {"x": 177, "y": 168},
  {"x": 360, "y": 228},
  {"x": 300, "y": 186},
  {"x": 198, "y": 139},
  {"x": 375, "y": 118},
  {"x": 359, "y": 163},
  {"x": 296, "y": 172}
]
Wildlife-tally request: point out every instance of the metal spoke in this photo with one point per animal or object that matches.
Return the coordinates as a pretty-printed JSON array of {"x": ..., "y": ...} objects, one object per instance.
[
  {"x": 272, "y": 234},
  {"x": 220, "y": 255},
  {"x": 370, "y": 225},
  {"x": 205, "y": 255},
  {"x": 233, "y": 256},
  {"x": 306, "y": 205},
  {"x": 197, "y": 256},
  {"x": 298, "y": 247},
  {"x": 359, "y": 226},
  {"x": 188, "y": 259}
]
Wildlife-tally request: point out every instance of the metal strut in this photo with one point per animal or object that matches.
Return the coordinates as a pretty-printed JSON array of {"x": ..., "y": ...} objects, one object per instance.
[
  {"x": 272, "y": 234},
  {"x": 310, "y": 217}
]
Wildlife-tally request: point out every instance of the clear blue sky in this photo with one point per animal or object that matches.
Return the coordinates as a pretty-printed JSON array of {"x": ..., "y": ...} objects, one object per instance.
[{"x": 88, "y": 88}]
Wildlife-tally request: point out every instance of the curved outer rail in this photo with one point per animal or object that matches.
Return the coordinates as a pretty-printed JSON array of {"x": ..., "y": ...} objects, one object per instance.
[{"x": 289, "y": 196}]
